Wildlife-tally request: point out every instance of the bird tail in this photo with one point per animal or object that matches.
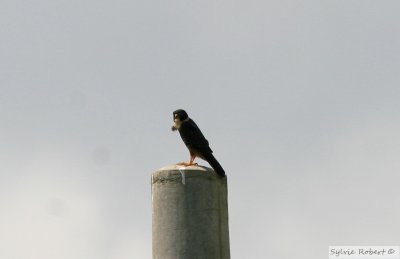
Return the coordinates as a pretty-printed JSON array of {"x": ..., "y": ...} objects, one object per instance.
[{"x": 215, "y": 165}]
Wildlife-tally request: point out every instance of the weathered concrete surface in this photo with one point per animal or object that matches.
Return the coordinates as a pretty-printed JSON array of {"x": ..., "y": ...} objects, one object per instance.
[{"x": 190, "y": 214}]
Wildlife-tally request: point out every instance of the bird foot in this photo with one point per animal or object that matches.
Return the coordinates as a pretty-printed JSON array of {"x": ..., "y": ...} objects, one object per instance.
[{"x": 187, "y": 163}]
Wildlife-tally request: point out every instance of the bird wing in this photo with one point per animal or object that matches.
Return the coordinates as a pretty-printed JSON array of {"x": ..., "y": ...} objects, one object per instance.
[{"x": 193, "y": 137}]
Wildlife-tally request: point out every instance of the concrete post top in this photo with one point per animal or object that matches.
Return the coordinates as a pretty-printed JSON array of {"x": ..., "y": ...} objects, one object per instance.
[{"x": 172, "y": 173}]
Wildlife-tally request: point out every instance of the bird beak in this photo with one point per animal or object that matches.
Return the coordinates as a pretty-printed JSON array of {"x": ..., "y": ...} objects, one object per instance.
[{"x": 176, "y": 124}]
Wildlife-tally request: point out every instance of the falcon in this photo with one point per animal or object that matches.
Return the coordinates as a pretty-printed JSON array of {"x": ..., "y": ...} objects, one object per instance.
[{"x": 195, "y": 141}]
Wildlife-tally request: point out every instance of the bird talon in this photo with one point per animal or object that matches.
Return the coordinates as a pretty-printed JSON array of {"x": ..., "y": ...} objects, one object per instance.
[
  {"x": 187, "y": 164},
  {"x": 184, "y": 164}
]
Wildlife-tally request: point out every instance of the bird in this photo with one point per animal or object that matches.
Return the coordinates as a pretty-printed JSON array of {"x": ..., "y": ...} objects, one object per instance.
[{"x": 195, "y": 141}]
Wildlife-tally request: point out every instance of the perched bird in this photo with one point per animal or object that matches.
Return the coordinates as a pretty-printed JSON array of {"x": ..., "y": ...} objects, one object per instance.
[{"x": 195, "y": 141}]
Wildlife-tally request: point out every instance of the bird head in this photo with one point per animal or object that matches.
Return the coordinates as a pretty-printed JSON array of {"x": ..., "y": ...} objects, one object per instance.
[{"x": 179, "y": 116}]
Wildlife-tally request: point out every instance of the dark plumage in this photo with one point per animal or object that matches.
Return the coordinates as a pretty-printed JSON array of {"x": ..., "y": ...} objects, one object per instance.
[{"x": 195, "y": 141}]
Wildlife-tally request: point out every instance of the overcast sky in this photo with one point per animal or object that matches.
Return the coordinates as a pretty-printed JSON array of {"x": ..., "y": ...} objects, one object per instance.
[{"x": 298, "y": 99}]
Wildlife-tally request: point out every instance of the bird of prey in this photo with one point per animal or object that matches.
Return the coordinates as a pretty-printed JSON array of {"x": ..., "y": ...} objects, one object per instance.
[{"x": 195, "y": 141}]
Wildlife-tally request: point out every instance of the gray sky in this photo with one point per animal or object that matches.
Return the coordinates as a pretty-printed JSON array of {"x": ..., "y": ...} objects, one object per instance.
[{"x": 299, "y": 100}]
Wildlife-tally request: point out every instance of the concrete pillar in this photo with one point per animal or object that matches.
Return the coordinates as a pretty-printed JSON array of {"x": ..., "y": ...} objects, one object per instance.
[{"x": 190, "y": 213}]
